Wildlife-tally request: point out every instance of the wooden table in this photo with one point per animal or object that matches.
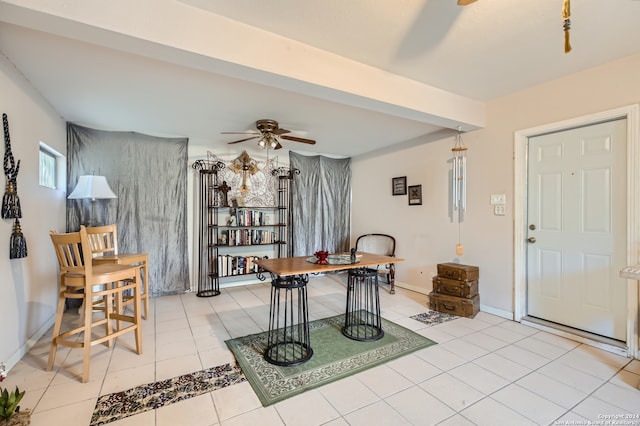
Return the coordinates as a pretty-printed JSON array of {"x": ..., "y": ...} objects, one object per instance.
[
  {"x": 287, "y": 266},
  {"x": 288, "y": 340}
]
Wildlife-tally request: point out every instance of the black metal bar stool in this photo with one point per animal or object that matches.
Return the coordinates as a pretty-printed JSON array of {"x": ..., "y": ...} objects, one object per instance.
[
  {"x": 288, "y": 338},
  {"x": 362, "y": 320}
]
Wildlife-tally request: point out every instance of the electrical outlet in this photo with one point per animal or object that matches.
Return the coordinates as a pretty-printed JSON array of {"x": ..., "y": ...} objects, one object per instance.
[
  {"x": 499, "y": 210},
  {"x": 498, "y": 199}
]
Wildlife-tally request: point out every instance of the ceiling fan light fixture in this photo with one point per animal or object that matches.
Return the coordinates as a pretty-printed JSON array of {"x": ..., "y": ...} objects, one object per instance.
[{"x": 269, "y": 135}]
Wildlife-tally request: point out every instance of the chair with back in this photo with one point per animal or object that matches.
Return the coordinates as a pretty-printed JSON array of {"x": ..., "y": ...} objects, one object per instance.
[
  {"x": 104, "y": 246},
  {"x": 80, "y": 279},
  {"x": 381, "y": 244}
]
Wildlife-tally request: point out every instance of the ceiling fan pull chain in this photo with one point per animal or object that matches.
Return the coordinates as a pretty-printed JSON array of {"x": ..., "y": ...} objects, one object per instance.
[{"x": 566, "y": 24}]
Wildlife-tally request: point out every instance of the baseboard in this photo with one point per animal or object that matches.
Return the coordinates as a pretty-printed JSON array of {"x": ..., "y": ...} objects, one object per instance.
[
  {"x": 240, "y": 283},
  {"x": 31, "y": 342},
  {"x": 497, "y": 312},
  {"x": 410, "y": 287},
  {"x": 483, "y": 308}
]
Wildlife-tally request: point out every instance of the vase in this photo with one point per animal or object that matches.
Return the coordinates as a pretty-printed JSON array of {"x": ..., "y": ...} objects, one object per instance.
[{"x": 322, "y": 257}]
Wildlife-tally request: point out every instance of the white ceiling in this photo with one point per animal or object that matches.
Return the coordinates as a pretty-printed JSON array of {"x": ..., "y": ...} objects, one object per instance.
[{"x": 357, "y": 75}]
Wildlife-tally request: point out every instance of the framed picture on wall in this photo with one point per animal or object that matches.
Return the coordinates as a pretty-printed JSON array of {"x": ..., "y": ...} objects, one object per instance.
[
  {"x": 415, "y": 195},
  {"x": 399, "y": 185}
]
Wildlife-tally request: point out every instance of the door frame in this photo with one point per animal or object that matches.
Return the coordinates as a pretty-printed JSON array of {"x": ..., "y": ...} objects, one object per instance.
[{"x": 521, "y": 138}]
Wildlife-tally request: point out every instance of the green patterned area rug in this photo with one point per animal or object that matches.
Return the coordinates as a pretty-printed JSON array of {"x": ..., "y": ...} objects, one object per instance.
[{"x": 334, "y": 357}]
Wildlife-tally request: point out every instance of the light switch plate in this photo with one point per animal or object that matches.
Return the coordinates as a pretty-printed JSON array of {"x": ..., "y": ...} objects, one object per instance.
[
  {"x": 499, "y": 210},
  {"x": 498, "y": 199}
]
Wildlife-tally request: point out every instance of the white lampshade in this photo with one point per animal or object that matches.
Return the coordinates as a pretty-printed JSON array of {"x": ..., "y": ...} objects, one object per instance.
[{"x": 92, "y": 187}]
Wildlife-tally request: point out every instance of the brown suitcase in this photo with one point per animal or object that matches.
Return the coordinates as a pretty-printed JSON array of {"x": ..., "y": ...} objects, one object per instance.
[
  {"x": 461, "y": 306},
  {"x": 456, "y": 271},
  {"x": 455, "y": 288}
]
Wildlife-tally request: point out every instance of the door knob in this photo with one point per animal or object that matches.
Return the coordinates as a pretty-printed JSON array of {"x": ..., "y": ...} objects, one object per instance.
[{"x": 531, "y": 240}]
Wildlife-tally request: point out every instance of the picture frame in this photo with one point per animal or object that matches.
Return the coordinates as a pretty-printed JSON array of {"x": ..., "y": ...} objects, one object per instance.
[
  {"x": 415, "y": 195},
  {"x": 399, "y": 185}
]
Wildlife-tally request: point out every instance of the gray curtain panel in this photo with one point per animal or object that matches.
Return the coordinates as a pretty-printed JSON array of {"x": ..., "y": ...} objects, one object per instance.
[
  {"x": 149, "y": 177},
  {"x": 321, "y": 204}
]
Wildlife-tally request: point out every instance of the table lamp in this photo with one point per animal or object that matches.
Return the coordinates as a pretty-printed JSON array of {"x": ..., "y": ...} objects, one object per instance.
[{"x": 92, "y": 188}]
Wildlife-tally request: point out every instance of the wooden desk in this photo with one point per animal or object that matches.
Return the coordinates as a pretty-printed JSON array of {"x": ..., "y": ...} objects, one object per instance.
[{"x": 288, "y": 266}]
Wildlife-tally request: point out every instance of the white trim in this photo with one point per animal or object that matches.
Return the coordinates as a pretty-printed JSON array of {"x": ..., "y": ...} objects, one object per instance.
[
  {"x": 242, "y": 281},
  {"x": 497, "y": 312},
  {"x": 30, "y": 343},
  {"x": 633, "y": 225},
  {"x": 632, "y": 114},
  {"x": 411, "y": 287},
  {"x": 572, "y": 336}
]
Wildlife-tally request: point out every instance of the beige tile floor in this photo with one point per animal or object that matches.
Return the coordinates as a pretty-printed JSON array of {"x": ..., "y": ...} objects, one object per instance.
[{"x": 484, "y": 371}]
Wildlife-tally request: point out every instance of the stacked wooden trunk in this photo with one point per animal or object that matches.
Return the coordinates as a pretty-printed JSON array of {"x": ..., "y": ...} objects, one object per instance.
[{"x": 455, "y": 290}]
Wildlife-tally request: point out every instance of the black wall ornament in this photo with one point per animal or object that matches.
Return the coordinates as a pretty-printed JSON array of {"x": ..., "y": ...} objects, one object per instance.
[
  {"x": 17, "y": 242},
  {"x": 10, "y": 201}
]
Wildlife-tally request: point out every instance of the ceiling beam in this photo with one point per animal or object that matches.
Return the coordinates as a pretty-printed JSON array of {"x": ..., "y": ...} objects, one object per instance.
[{"x": 175, "y": 32}]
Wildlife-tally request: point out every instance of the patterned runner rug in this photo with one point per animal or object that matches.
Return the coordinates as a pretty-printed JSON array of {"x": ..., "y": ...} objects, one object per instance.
[
  {"x": 118, "y": 405},
  {"x": 334, "y": 357}
]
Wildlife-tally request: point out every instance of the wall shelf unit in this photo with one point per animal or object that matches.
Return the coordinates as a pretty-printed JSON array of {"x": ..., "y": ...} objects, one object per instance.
[{"x": 231, "y": 238}]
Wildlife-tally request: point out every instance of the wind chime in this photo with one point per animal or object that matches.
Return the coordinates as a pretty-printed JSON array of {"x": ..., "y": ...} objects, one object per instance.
[
  {"x": 10, "y": 202},
  {"x": 459, "y": 185},
  {"x": 566, "y": 24}
]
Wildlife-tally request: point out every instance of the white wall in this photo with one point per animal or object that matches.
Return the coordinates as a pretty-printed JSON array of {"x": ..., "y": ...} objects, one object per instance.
[
  {"x": 28, "y": 286},
  {"x": 425, "y": 234}
]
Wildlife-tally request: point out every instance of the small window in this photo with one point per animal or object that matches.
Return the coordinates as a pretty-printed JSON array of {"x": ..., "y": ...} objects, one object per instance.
[{"x": 49, "y": 161}]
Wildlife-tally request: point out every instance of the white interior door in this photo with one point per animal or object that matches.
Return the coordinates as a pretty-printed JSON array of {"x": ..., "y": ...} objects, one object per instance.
[{"x": 576, "y": 219}]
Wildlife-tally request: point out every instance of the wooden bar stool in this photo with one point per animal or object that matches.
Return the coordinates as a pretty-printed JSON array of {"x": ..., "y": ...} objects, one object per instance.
[
  {"x": 104, "y": 246},
  {"x": 82, "y": 279}
]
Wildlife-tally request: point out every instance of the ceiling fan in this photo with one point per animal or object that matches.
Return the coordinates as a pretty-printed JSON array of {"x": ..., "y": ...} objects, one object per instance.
[
  {"x": 269, "y": 134},
  {"x": 465, "y": 2}
]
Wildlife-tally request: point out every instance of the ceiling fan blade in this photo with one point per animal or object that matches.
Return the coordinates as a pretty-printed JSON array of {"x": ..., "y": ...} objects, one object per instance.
[
  {"x": 281, "y": 131},
  {"x": 295, "y": 139},
  {"x": 240, "y": 133},
  {"x": 245, "y": 139},
  {"x": 465, "y": 2}
]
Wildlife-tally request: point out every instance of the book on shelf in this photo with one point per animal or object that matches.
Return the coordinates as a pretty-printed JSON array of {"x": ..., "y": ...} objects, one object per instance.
[
  {"x": 247, "y": 237},
  {"x": 249, "y": 217},
  {"x": 229, "y": 265}
]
